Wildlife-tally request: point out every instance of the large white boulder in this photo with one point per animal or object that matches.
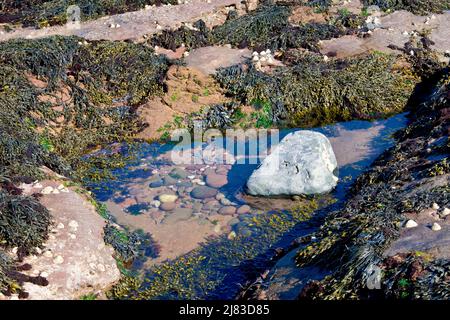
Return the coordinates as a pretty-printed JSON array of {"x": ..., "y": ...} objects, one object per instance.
[{"x": 302, "y": 163}]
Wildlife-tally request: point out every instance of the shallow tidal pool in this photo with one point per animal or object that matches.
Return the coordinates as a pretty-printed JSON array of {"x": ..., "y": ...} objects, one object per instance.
[{"x": 211, "y": 237}]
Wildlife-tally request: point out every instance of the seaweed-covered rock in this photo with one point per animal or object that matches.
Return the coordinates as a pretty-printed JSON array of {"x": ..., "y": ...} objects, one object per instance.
[
  {"x": 269, "y": 27},
  {"x": 69, "y": 96},
  {"x": 404, "y": 181},
  {"x": 312, "y": 92},
  {"x": 302, "y": 163}
]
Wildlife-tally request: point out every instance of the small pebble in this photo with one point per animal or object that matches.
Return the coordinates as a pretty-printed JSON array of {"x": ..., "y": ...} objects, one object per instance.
[
  {"x": 445, "y": 212},
  {"x": 411, "y": 224},
  {"x": 47, "y": 190},
  {"x": 435, "y": 206},
  {"x": 48, "y": 254}
]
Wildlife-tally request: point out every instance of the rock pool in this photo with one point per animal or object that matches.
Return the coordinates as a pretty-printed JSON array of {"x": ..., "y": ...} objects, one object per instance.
[{"x": 212, "y": 237}]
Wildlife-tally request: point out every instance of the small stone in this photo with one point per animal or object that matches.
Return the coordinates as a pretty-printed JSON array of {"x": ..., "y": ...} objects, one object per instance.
[
  {"x": 228, "y": 210},
  {"x": 60, "y": 225},
  {"x": 411, "y": 224},
  {"x": 217, "y": 228},
  {"x": 203, "y": 192},
  {"x": 38, "y": 250},
  {"x": 55, "y": 191},
  {"x": 156, "y": 184},
  {"x": 210, "y": 205},
  {"x": 60, "y": 187},
  {"x": 436, "y": 227},
  {"x": 58, "y": 260},
  {"x": 44, "y": 274},
  {"x": 169, "y": 181},
  {"x": 435, "y": 206},
  {"x": 216, "y": 180},
  {"x": 178, "y": 214},
  {"x": 164, "y": 198},
  {"x": 225, "y": 202},
  {"x": 48, "y": 254},
  {"x": 178, "y": 173},
  {"x": 243, "y": 209},
  {"x": 72, "y": 236},
  {"x": 167, "y": 206},
  {"x": 14, "y": 250}
]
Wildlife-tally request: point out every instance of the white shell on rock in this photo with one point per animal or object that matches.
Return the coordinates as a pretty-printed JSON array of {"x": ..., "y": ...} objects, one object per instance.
[
  {"x": 302, "y": 163},
  {"x": 411, "y": 224},
  {"x": 445, "y": 212},
  {"x": 47, "y": 190},
  {"x": 436, "y": 227}
]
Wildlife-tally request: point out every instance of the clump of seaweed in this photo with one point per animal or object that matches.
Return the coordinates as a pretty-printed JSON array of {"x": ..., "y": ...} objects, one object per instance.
[
  {"x": 130, "y": 246},
  {"x": 24, "y": 222},
  {"x": 311, "y": 92},
  {"x": 220, "y": 116},
  {"x": 353, "y": 240},
  {"x": 422, "y": 7},
  {"x": 191, "y": 38},
  {"x": 267, "y": 27}
]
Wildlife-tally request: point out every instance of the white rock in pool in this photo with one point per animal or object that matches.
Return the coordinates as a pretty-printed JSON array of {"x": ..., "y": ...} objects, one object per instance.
[{"x": 302, "y": 163}]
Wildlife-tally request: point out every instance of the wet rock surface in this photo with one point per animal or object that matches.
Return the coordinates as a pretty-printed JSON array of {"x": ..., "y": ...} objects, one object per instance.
[
  {"x": 209, "y": 59},
  {"x": 396, "y": 29}
]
